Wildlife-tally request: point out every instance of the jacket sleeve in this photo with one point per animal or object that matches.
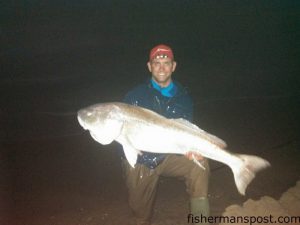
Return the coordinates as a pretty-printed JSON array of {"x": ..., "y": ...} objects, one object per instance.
[{"x": 132, "y": 97}]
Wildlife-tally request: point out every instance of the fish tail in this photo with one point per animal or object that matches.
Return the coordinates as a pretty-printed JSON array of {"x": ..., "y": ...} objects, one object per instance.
[{"x": 245, "y": 172}]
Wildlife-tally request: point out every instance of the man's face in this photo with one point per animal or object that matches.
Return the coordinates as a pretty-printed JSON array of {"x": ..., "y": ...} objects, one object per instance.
[{"x": 162, "y": 69}]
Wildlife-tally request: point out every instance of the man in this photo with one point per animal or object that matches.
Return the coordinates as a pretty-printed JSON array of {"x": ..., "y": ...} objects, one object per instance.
[{"x": 168, "y": 98}]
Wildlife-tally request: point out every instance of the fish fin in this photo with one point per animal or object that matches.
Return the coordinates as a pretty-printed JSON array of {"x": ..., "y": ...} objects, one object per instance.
[
  {"x": 131, "y": 154},
  {"x": 244, "y": 173},
  {"x": 107, "y": 133},
  {"x": 198, "y": 162},
  {"x": 210, "y": 137}
]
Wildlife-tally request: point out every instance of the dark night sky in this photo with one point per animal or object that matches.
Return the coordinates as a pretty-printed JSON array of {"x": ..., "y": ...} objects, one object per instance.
[
  {"x": 239, "y": 59},
  {"x": 74, "y": 49}
]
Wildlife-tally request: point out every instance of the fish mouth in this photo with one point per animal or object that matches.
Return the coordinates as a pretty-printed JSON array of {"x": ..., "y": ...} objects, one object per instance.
[{"x": 81, "y": 122}]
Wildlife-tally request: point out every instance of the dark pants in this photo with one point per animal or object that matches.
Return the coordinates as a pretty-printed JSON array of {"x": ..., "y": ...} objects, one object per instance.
[{"x": 142, "y": 182}]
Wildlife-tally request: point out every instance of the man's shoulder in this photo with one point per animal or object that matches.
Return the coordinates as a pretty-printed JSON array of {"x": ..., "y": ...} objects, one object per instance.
[
  {"x": 140, "y": 87},
  {"x": 136, "y": 93},
  {"x": 139, "y": 90},
  {"x": 180, "y": 87},
  {"x": 182, "y": 91}
]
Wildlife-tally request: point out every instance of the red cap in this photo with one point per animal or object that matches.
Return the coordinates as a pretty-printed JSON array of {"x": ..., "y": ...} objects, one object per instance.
[{"x": 161, "y": 50}]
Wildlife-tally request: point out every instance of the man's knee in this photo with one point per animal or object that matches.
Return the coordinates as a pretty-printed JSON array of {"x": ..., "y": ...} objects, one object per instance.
[{"x": 198, "y": 180}]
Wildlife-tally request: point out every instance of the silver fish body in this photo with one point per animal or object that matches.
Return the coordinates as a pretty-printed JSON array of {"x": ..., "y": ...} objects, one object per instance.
[{"x": 138, "y": 129}]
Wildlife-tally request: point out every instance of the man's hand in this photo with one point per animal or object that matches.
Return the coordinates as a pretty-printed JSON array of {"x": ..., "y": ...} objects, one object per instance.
[{"x": 194, "y": 155}]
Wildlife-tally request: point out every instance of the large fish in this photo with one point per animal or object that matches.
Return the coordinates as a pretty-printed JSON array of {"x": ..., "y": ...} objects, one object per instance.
[{"x": 138, "y": 129}]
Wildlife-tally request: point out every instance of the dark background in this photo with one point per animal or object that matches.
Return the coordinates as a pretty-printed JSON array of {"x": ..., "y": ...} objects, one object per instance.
[{"x": 239, "y": 59}]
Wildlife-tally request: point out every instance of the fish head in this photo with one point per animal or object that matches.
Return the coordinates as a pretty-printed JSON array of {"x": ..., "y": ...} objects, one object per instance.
[{"x": 102, "y": 121}]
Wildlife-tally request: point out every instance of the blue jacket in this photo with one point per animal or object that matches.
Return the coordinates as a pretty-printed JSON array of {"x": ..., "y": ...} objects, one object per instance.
[{"x": 178, "y": 106}]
